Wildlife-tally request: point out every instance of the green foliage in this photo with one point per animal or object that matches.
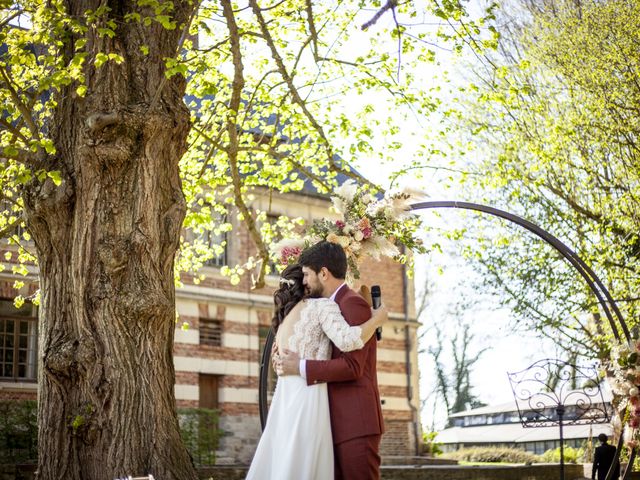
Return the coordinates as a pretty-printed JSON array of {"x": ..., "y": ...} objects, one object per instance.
[
  {"x": 552, "y": 126},
  {"x": 492, "y": 455},
  {"x": 279, "y": 95},
  {"x": 18, "y": 431},
  {"x": 571, "y": 455},
  {"x": 431, "y": 446},
  {"x": 200, "y": 433}
]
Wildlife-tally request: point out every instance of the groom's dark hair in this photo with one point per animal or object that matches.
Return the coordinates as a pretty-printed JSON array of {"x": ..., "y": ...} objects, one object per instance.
[{"x": 325, "y": 254}]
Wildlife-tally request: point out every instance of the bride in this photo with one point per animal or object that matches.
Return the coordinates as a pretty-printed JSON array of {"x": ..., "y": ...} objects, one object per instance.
[{"x": 296, "y": 443}]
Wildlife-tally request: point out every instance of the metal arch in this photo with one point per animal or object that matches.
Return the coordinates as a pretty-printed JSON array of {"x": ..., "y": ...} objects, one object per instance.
[
  {"x": 605, "y": 299},
  {"x": 264, "y": 377},
  {"x": 595, "y": 284}
]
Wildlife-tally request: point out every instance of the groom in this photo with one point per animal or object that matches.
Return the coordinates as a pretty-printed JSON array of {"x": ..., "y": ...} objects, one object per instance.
[{"x": 354, "y": 400}]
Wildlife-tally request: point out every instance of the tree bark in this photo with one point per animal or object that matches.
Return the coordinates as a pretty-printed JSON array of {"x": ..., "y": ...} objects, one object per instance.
[{"x": 106, "y": 240}]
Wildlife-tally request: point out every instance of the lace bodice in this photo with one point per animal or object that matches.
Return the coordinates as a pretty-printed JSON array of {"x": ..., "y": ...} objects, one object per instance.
[{"x": 321, "y": 323}]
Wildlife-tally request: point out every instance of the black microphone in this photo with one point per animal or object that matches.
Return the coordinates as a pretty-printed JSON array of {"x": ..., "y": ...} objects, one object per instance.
[{"x": 376, "y": 300}]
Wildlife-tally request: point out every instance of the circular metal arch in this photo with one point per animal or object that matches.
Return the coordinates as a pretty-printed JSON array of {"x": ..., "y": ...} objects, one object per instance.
[{"x": 606, "y": 301}]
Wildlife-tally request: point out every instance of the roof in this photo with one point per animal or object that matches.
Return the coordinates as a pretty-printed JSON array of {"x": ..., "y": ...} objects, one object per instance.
[
  {"x": 502, "y": 407},
  {"x": 516, "y": 433},
  {"x": 511, "y": 406}
]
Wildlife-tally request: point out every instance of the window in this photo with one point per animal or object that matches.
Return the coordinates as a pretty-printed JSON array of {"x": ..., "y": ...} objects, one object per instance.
[
  {"x": 18, "y": 341},
  {"x": 216, "y": 241},
  {"x": 210, "y": 332},
  {"x": 208, "y": 388}
]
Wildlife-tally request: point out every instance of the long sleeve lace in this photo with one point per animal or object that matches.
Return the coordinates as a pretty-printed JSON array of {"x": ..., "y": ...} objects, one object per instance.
[
  {"x": 321, "y": 321},
  {"x": 343, "y": 335}
]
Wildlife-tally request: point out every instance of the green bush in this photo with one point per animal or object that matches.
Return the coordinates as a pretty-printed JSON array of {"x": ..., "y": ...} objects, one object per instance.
[
  {"x": 492, "y": 455},
  {"x": 571, "y": 455},
  {"x": 431, "y": 447},
  {"x": 18, "y": 431},
  {"x": 200, "y": 433}
]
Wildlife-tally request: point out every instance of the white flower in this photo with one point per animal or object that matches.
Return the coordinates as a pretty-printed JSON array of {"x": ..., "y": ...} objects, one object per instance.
[
  {"x": 400, "y": 202},
  {"x": 366, "y": 198},
  {"x": 358, "y": 236},
  {"x": 385, "y": 247},
  {"x": 369, "y": 248},
  {"x": 339, "y": 205},
  {"x": 343, "y": 241},
  {"x": 347, "y": 190},
  {"x": 375, "y": 207}
]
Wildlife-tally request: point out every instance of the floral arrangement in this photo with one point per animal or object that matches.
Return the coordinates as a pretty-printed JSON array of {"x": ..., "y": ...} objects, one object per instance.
[
  {"x": 369, "y": 226},
  {"x": 626, "y": 384}
]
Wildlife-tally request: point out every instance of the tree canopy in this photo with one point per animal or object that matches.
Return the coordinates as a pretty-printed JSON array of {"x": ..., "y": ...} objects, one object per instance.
[
  {"x": 266, "y": 88},
  {"x": 553, "y": 117}
]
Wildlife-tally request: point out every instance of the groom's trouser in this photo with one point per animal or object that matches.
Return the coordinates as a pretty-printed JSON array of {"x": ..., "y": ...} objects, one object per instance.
[{"x": 357, "y": 459}]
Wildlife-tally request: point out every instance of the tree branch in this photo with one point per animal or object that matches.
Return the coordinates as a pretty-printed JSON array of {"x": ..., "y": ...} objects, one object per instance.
[
  {"x": 390, "y": 5},
  {"x": 232, "y": 130},
  {"x": 326, "y": 144},
  {"x": 19, "y": 155},
  {"x": 20, "y": 105},
  {"x": 9, "y": 228}
]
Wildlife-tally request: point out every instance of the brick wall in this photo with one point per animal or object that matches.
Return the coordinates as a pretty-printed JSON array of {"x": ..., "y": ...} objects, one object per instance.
[
  {"x": 18, "y": 394},
  {"x": 398, "y": 438}
]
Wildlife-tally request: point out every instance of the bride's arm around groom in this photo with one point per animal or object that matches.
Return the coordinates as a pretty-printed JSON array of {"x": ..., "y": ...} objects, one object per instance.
[{"x": 354, "y": 400}]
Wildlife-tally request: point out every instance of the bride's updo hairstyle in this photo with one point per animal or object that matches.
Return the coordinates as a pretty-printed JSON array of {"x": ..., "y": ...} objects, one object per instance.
[{"x": 289, "y": 293}]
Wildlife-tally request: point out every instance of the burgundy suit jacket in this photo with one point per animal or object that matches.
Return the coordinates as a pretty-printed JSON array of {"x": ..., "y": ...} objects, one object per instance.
[{"x": 354, "y": 399}]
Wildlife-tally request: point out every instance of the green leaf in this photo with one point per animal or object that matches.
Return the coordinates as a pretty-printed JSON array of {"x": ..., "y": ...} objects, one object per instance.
[
  {"x": 55, "y": 176},
  {"x": 101, "y": 58}
]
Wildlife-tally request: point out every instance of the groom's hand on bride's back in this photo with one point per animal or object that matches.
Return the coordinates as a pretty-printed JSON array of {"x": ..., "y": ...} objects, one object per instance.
[
  {"x": 288, "y": 363},
  {"x": 275, "y": 355}
]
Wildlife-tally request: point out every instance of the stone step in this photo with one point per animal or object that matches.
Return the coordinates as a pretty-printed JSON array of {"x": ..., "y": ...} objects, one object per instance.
[
  {"x": 416, "y": 460},
  {"x": 434, "y": 472}
]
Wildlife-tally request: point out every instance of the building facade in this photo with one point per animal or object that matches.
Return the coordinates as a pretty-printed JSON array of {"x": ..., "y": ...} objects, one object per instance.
[
  {"x": 500, "y": 426},
  {"x": 220, "y": 333}
]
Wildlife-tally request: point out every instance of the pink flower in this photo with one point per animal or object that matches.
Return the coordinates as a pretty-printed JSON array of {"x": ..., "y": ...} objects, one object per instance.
[
  {"x": 367, "y": 232},
  {"x": 635, "y": 400},
  {"x": 289, "y": 253},
  {"x": 634, "y": 422},
  {"x": 364, "y": 223},
  {"x": 340, "y": 224}
]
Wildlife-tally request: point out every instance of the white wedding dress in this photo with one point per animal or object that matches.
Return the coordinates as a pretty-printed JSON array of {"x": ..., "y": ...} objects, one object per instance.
[{"x": 296, "y": 443}]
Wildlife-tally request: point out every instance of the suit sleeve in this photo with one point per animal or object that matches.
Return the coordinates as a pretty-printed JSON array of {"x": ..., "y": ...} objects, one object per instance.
[
  {"x": 596, "y": 459},
  {"x": 347, "y": 366}
]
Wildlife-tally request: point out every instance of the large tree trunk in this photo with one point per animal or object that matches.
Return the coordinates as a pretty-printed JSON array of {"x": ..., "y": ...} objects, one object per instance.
[{"x": 106, "y": 240}]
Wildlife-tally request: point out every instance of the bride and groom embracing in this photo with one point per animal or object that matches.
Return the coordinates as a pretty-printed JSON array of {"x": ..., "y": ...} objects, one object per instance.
[{"x": 325, "y": 419}]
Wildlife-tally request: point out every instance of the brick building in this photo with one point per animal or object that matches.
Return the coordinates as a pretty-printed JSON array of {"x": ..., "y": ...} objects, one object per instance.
[{"x": 217, "y": 357}]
